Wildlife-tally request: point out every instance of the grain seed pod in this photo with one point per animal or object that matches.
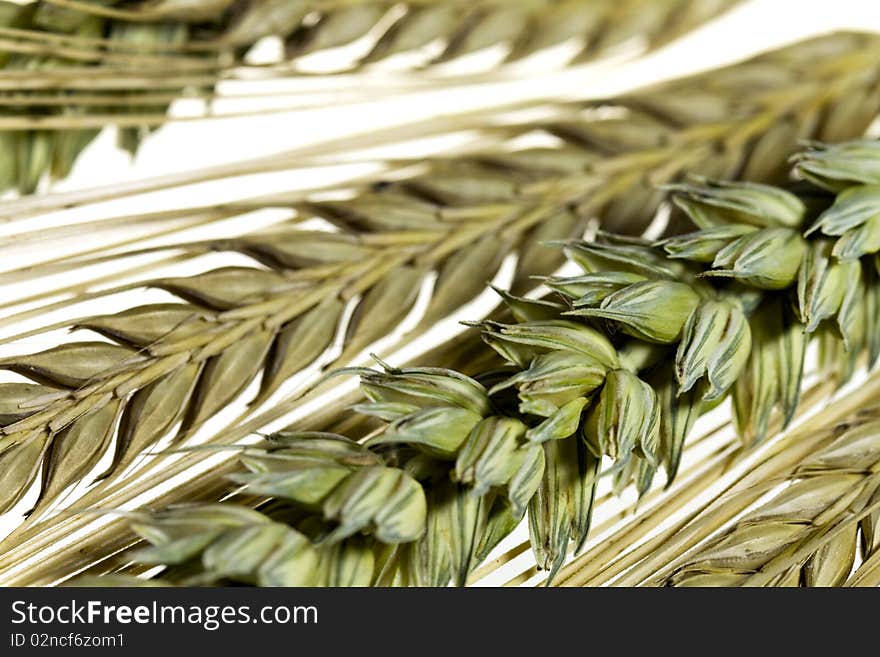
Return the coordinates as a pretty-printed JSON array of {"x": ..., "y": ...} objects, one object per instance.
[
  {"x": 542, "y": 161},
  {"x": 561, "y": 424},
  {"x": 757, "y": 391},
  {"x": 791, "y": 348},
  {"x": 837, "y": 166},
  {"x": 384, "y": 501},
  {"x": 319, "y": 444},
  {"x": 645, "y": 474},
  {"x": 264, "y": 554},
  {"x": 832, "y": 356},
  {"x": 146, "y": 326},
  {"x": 805, "y": 500},
  {"x": 823, "y": 283},
  {"x": 468, "y": 514},
  {"x": 553, "y": 381},
  {"x": 783, "y": 136},
  {"x": 583, "y": 495},
  {"x": 224, "y": 377},
  {"x": 286, "y": 477},
  {"x": 68, "y": 146},
  {"x": 591, "y": 289},
  {"x": 457, "y": 520},
  {"x": 438, "y": 432},
  {"x": 349, "y": 563},
  {"x": 654, "y": 311},
  {"x": 462, "y": 183},
  {"x": 871, "y": 308},
  {"x": 765, "y": 541},
  {"x": 774, "y": 370},
  {"x": 179, "y": 534},
  {"x": 703, "y": 245},
  {"x": 710, "y": 204},
  {"x": 617, "y": 135},
  {"x": 640, "y": 258},
  {"x": 872, "y": 327},
  {"x": 860, "y": 241},
  {"x": 530, "y": 463},
  {"x": 550, "y": 335},
  {"x": 295, "y": 248},
  {"x": 716, "y": 344},
  {"x": 487, "y": 458},
  {"x": 549, "y": 512},
  {"x": 853, "y": 319},
  {"x": 151, "y": 413},
  {"x": 561, "y": 509},
  {"x": 789, "y": 578},
  {"x": 35, "y": 153},
  {"x": 303, "y": 468},
  {"x": 694, "y": 579},
  {"x": 379, "y": 212},
  {"x": 464, "y": 276},
  {"x": 631, "y": 20},
  {"x": 833, "y": 562},
  {"x": 518, "y": 354},
  {"x": 870, "y": 529},
  {"x": 227, "y": 287},
  {"x": 299, "y": 344},
  {"x": 429, "y": 560},
  {"x": 768, "y": 259},
  {"x": 423, "y": 388},
  {"x": 625, "y": 416},
  {"x": 678, "y": 411},
  {"x": 457, "y": 523},
  {"x": 72, "y": 365},
  {"x": 9, "y": 165},
  {"x": 855, "y": 451},
  {"x": 852, "y": 209},
  {"x": 852, "y": 116},
  {"x": 76, "y": 450},
  {"x": 633, "y": 469},
  {"x": 20, "y": 463},
  {"x": 529, "y": 310},
  {"x": 19, "y": 400},
  {"x": 634, "y": 206},
  {"x": 501, "y": 520},
  {"x": 381, "y": 309}
]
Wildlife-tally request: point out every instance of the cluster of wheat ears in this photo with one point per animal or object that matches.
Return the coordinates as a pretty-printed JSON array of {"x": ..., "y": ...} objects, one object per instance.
[{"x": 584, "y": 392}]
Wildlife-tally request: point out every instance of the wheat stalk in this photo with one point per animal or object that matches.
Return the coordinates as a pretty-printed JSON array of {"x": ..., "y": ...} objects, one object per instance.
[
  {"x": 808, "y": 534},
  {"x": 579, "y": 398},
  {"x": 70, "y": 68},
  {"x": 228, "y": 329},
  {"x": 124, "y": 566},
  {"x": 100, "y": 393}
]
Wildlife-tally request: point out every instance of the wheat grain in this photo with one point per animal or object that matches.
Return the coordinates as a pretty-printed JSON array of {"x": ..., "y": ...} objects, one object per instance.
[
  {"x": 240, "y": 318},
  {"x": 807, "y": 534},
  {"x": 565, "y": 364},
  {"x": 627, "y": 316}
]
